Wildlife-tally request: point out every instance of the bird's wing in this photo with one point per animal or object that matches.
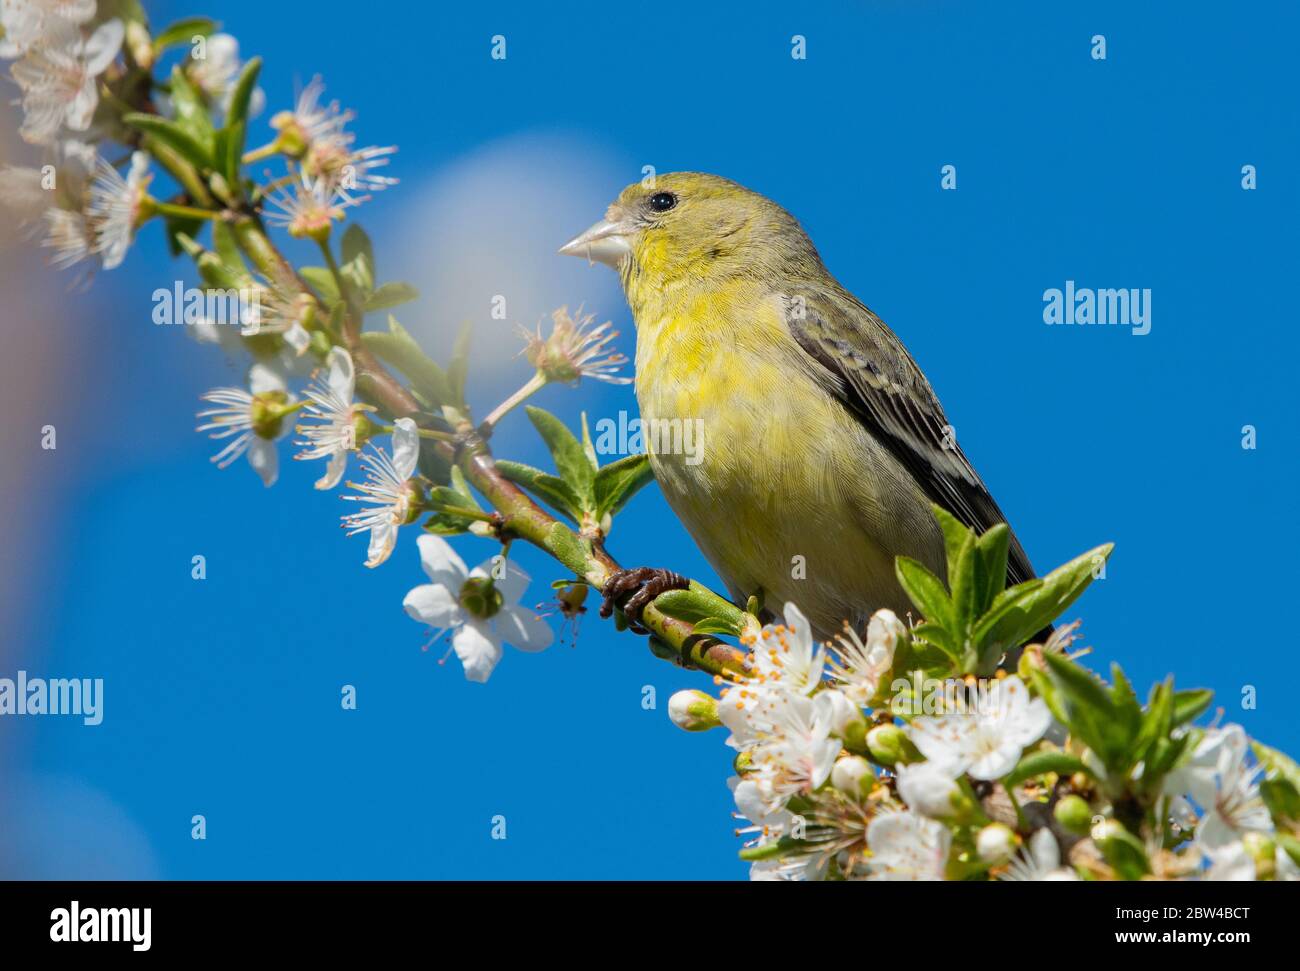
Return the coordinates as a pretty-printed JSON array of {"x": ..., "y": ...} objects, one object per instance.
[{"x": 861, "y": 362}]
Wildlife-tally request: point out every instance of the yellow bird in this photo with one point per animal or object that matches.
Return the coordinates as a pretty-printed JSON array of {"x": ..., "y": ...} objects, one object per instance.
[{"x": 823, "y": 443}]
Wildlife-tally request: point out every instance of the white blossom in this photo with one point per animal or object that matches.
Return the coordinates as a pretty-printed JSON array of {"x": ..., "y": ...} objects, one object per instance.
[
  {"x": 481, "y": 618},
  {"x": 310, "y": 208},
  {"x": 1041, "y": 860},
  {"x": 240, "y": 417},
  {"x": 928, "y": 788},
  {"x": 330, "y": 408},
  {"x": 70, "y": 234},
  {"x": 387, "y": 490},
  {"x": 217, "y": 72},
  {"x": 318, "y": 133},
  {"x": 114, "y": 207},
  {"x": 794, "y": 752},
  {"x": 905, "y": 846},
  {"x": 1219, "y": 779},
  {"x": 30, "y": 23},
  {"x": 858, "y": 667},
  {"x": 58, "y": 79},
  {"x": 986, "y": 742}
]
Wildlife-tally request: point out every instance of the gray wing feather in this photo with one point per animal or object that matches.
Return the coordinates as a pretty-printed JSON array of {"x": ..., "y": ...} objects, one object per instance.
[{"x": 867, "y": 367}]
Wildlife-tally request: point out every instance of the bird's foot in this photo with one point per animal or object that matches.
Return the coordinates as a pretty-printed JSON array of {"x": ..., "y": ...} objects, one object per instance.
[{"x": 645, "y": 584}]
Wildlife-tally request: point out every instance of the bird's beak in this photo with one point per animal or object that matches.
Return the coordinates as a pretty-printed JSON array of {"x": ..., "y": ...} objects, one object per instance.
[{"x": 606, "y": 242}]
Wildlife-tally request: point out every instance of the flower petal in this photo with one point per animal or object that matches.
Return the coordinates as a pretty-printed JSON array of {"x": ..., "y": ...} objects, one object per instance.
[
  {"x": 406, "y": 447},
  {"x": 440, "y": 562},
  {"x": 265, "y": 460},
  {"x": 338, "y": 464},
  {"x": 263, "y": 377},
  {"x": 102, "y": 46},
  {"x": 433, "y": 604},
  {"x": 342, "y": 375},
  {"x": 521, "y": 628},
  {"x": 383, "y": 537},
  {"x": 476, "y": 650}
]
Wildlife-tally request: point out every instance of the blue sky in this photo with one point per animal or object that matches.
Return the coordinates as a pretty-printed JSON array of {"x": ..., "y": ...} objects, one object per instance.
[{"x": 222, "y": 696}]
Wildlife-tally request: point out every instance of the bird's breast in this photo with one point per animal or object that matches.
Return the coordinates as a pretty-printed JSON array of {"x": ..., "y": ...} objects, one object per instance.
[{"x": 772, "y": 487}]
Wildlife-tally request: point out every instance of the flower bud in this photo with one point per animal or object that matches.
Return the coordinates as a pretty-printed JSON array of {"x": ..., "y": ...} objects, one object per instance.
[
  {"x": 139, "y": 44},
  {"x": 1074, "y": 814},
  {"x": 1031, "y": 659},
  {"x": 850, "y": 773},
  {"x": 889, "y": 745},
  {"x": 693, "y": 711},
  {"x": 929, "y": 789},
  {"x": 995, "y": 843},
  {"x": 1122, "y": 849},
  {"x": 844, "y": 713},
  {"x": 1261, "y": 848}
]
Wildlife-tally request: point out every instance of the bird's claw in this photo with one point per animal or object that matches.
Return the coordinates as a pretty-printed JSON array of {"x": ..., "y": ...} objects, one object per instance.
[{"x": 645, "y": 583}]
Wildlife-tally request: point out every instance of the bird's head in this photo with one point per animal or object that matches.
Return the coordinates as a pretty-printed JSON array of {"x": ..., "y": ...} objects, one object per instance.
[{"x": 690, "y": 225}]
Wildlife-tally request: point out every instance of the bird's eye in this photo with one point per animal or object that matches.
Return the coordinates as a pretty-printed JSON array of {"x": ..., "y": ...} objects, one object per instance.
[{"x": 662, "y": 201}]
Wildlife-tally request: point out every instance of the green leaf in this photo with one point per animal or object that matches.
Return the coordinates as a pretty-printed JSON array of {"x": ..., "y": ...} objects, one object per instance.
[
  {"x": 1127, "y": 709},
  {"x": 966, "y": 584},
  {"x": 588, "y": 448},
  {"x": 399, "y": 349},
  {"x": 356, "y": 244},
  {"x": 1040, "y": 763},
  {"x": 237, "y": 114},
  {"x": 390, "y": 295},
  {"x": 565, "y": 546},
  {"x": 1091, "y": 714},
  {"x": 1189, "y": 704},
  {"x": 230, "y": 141},
  {"x": 927, "y": 592},
  {"x": 1282, "y": 800},
  {"x": 322, "y": 281},
  {"x": 1124, "y": 852},
  {"x": 446, "y": 521},
  {"x": 171, "y": 135},
  {"x": 223, "y": 242},
  {"x": 183, "y": 32},
  {"x": 358, "y": 259},
  {"x": 1027, "y": 608},
  {"x": 690, "y": 606},
  {"x": 554, "y": 491},
  {"x": 1291, "y": 845},
  {"x": 619, "y": 481},
  {"x": 941, "y": 638},
  {"x": 993, "y": 547},
  {"x": 1276, "y": 765},
  {"x": 716, "y": 626},
  {"x": 955, "y": 534},
  {"x": 190, "y": 111},
  {"x": 447, "y": 524},
  {"x": 461, "y": 485},
  {"x": 1157, "y": 720},
  {"x": 570, "y": 459},
  {"x": 458, "y": 369},
  {"x": 178, "y": 227}
]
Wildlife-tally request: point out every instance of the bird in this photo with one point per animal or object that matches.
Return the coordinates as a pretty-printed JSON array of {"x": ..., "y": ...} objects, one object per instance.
[{"x": 824, "y": 445}]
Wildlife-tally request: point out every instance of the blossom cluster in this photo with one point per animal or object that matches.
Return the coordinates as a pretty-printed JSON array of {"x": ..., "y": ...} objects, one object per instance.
[{"x": 833, "y": 783}]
